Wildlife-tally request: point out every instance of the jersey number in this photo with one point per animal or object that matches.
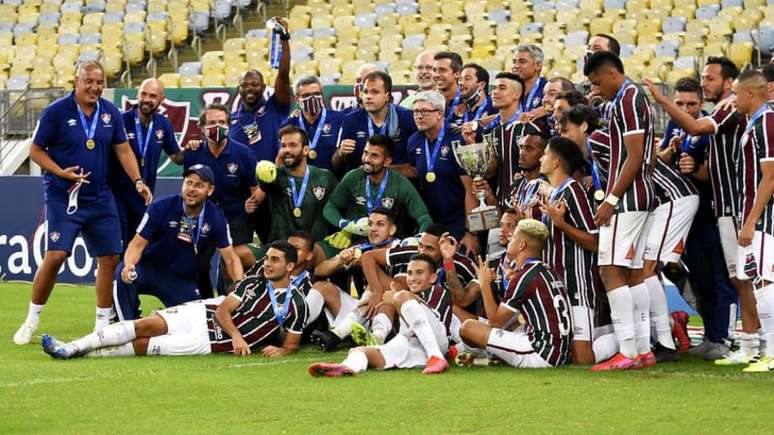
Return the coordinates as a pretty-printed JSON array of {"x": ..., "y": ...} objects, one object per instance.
[{"x": 563, "y": 313}]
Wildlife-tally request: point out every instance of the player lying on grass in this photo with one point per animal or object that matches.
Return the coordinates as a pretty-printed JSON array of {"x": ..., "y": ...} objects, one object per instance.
[
  {"x": 535, "y": 291},
  {"x": 257, "y": 315},
  {"x": 425, "y": 313}
]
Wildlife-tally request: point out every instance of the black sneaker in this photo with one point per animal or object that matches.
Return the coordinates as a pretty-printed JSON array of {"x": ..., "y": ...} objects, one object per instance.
[
  {"x": 664, "y": 354},
  {"x": 328, "y": 341}
]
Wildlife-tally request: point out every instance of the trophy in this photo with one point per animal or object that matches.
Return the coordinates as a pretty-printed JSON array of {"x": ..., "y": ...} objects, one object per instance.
[{"x": 475, "y": 159}]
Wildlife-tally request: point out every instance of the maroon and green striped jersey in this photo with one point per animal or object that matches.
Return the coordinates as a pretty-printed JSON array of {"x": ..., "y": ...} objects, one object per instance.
[
  {"x": 722, "y": 155},
  {"x": 438, "y": 299},
  {"x": 540, "y": 296},
  {"x": 670, "y": 184},
  {"x": 756, "y": 147}
]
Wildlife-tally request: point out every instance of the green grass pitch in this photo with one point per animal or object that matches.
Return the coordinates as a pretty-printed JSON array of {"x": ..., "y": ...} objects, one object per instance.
[{"x": 224, "y": 394}]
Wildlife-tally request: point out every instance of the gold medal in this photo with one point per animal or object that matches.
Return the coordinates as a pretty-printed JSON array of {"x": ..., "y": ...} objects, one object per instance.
[
  {"x": 90, "y": 144},
  {"x": 599, "y": 195},
  {"x": 312, "y": 154},
  {"x": 297, "y": 212},
  {"x": 430, "y": 177}
]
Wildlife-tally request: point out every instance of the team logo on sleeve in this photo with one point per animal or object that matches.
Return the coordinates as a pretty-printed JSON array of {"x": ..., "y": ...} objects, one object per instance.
[
  {"x": 159, "y": 134},
  {"x": 326, "y": 129},
  {"x": 388, "y": 201},
  {"x": 360, "y": 200},
  {"x": 232, "y": 168},
  {"x": 361, "y": 134},
  {"x": 54, "y": 236},
  {"x": 536, "y": 101},
  {"x": 71, "y": 122},
  {"x": 444, "y": 151},
  {"x": 105, "y": 118},
  {"x": 205, "y": 228},
  {"x": 319, "y": 192}
]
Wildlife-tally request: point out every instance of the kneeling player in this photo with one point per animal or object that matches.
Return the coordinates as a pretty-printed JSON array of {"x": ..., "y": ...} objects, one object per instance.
[
  {"x": 264, "y": 308},
  {"x": 425, "y": 312},
  {"x": 538, "y": 294}
]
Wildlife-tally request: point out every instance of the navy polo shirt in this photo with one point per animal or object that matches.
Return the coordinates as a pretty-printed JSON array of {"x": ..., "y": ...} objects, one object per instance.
[
  {"x": 445, "y": 198},
  {"x": 355, "y": 126},
  {"x": 329, "y": 135},
  {"x": 61, "y": 134},
  {"x": 234, "y": 171},
  {"x": 259, "y": 129},
  {"x": 161, "y": 226},
  {"x": 694, "y": 146},
  {"x": 532, "y": 98},
  {"x": 161, "y": 137}
]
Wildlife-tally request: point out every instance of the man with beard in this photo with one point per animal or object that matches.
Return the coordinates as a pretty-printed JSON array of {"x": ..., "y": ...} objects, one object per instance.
[
  {"x": 474, "y": 95},
  {"x": 164, "y": 260},
  {"x": 552, "y": 89},
  {"x": 725, "y": 127},
  {"x": 525, "y": 192},
  {"x": 375, "y": 185},
  {"x": 300, "y": 191},
  {"x": 320, "y": 123},
  {"x": 148, "y": 132},
  {"x": 423, "y": 76},
  {"x": 445, "y": 187},
  {"x": 257, "y": 120},
  {"x": 71, "y": 144},
  {"x": 527, "y": 63},
  {"x": 264, "y": 312},
  {"x": 447, "y": 67},
  {"x": 379, "y": 115}
]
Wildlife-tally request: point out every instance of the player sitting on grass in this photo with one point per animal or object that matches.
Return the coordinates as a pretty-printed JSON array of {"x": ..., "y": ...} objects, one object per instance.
[
  {"x": 538, "y": 294},
  {"x": 425, "y": 313},
  {"x": 259, "y": 312}
]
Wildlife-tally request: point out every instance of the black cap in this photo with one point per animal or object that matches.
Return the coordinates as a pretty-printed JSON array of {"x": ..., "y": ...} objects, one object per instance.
[{"x": 204, "y": 172}]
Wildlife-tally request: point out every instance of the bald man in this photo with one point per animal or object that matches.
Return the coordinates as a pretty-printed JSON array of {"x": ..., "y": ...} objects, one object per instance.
[
  {"x": 423, "y": 77},
  {"x": 148, "y": 132}
]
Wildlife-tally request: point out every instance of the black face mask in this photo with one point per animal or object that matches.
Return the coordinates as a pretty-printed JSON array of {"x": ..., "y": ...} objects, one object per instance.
[
  {"x": 473, "y": 99},
  {"x": 312, "y": 105}
]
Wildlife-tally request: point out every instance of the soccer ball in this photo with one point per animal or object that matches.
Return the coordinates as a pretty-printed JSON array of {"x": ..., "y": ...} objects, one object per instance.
[{"x": 266, "y": 171}]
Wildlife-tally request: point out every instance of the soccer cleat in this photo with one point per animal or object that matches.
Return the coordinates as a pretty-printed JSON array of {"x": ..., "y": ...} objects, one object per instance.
[
  {"x": 702, "y": 348},
  {"x": 328, "y": 341},
  {"x": 50, "y": 344},
  {"x": 24, "y": 334},
  {"x": 664, "y": 354},
  {"x": 618, "y": 362},
  {"x": 680, "y": 330},
  {"x": 716, "y": 351},
  {"x": 647, "y": 359},
  {"x": 765, "y": 364},
  {"x": 329, "y": 370},
  {"x": 736, "y": 358},
  {"x": 435, "y": 365},
  {"x": 451, "y": 354},
  {"x": 362, "y": 336}
]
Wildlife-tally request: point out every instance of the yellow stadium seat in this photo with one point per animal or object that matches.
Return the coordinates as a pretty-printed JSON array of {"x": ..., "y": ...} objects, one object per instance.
[
  {"x": 740, "y": 53},
  {"x": 27, "y": 39},
  {"x": 211, "y": 80},
  {"x": 134, "y": 51},
  {"x": 708, "y": 2},
  {"x": 676, "y": 74},
  {"x": 192, "y": 81}
]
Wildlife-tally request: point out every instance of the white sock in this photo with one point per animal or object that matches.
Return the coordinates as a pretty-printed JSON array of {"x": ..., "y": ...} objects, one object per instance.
[
  {"x": 454, "y": 329},
  {"x": 357, "y": 361},
  {"x": 111, "y": 335},
  {"x": 641, "y": 302},
  {"x": 126, "y": 349},
  {"x": 622, "y": 314},
  {"x": 659, "y": 312},
  {"x": 315, "y": 302},
  {"x": 417, "y": 320},
  {"x": 381, "y": 326},
  {"x": 33, "y": 314},
  {"x": 604, "y": 346},
  {"x": 103, "y": 317},
  {"x": 762, "y": 345},
  {"x": 748, "y": 343},
  {"x": 764, "y": 299},
  {"x": 343, "y": 329}
]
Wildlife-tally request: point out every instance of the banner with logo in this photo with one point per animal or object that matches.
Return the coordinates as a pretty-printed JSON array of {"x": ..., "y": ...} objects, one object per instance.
[{"x": 183, "y": 105}]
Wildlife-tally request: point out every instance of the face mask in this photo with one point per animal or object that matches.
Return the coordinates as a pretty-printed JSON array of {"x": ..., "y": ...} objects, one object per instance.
[
  {"x": 312, "y": 105},
  {"x": 356, "y": 90},
  {"x": 587, "y": 56},
  {"x": 473, "y": 99},
  {"x": 216, "y": 133}
]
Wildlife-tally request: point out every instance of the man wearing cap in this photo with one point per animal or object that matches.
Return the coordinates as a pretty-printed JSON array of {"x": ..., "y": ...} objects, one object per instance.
[{"x": 174, "y": 241}]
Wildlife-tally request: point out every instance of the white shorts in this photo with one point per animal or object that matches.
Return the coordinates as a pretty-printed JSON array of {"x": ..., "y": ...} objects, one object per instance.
[
  {"x": 405, "y": 351},
  {"x": 620, "y": 242},
  {"x": 582, "y": 323},
  {"x": 756, "y": 261},
  {"x": 729, "y": 235},
  {"x": 515, "y": 349},
  {"x": 187, "y": 332},
  {"x": 348, "y": 304},
  {"x": 667, "y": 229}
]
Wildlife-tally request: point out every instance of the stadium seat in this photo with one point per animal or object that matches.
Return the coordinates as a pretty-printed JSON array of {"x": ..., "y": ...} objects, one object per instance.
[{"x": 191, "y": 81}]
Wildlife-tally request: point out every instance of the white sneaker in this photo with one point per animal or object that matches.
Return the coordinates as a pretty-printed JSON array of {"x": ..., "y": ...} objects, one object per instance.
[
  {"x": 736, "y": 358},
  {"x": 24, "y": 334}
]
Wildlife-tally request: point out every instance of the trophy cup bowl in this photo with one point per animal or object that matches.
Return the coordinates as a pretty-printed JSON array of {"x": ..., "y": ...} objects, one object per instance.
[{"x": 475, "y": 160}]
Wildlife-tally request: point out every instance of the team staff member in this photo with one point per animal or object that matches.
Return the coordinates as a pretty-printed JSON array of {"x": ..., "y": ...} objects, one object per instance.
[
  {"x": 71, "y": 143},
  {"x": 163, "y": 260},
  {"x": 445, "y": 187},
  {"x": 447, "y": 67},
  {"x": 378, "y": 116},
  {"x": 527, "y": 64},
  {"x": 321, "y": 124},
  {"x": 148, "y": 132},
  {"x": 375, "y": 185},
  {"x": 300, "y": 191},
  {"x": 257, "y": 120},
  {"x": 474, "y": 92},
  {"x": 423, "y": 77}
]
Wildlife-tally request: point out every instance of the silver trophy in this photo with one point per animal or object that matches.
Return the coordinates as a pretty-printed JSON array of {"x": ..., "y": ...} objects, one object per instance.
[{"x": 476, "y": 159}]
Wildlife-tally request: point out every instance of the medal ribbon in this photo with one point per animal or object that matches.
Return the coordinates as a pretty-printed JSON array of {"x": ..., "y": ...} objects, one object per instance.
[
  {"x": 378, "y": 200},
  {"x": 298, "y": 195},
  {"x": 143, "y": 147},
  {"x": 318, "y": 131},
  {"x": 431, "y": 160}
]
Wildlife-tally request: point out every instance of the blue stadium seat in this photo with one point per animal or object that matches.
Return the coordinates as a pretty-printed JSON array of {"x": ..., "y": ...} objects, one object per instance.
[
  {"x": 94, "y": 6},
  {"x": 68, "y": 39},
  {"x": 257, "y": 33},
  {"x": 190, "y": 68},
  {"x": 577, "y": 38},
  {"x": 90, "y": 38},
  {"x": 384, "y": 8},
  {"x": 199, "y": 22},
  {"x": 673, "y": 25},
  {"x": 707, "y": 12},
  {"x": 322, "y": 32},
  {"x": 49, "y": 18},
  {"x": 113, "y": 17},
  {"x": 222, "y": 10}
]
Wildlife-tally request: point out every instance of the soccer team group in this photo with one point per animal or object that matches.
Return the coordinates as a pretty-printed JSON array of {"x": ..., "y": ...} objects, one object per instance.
[{"x": 350, "y": 228}]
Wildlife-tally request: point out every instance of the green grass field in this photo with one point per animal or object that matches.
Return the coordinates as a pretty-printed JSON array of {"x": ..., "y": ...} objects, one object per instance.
[{"x": 225, "y": 394}]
